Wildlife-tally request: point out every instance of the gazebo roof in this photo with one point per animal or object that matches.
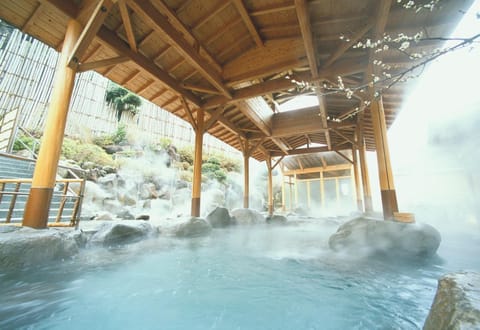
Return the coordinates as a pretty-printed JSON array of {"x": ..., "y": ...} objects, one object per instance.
[{"x": 240, "y": 60}]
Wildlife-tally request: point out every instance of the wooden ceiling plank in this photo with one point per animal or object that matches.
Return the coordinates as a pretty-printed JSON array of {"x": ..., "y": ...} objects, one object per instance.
[
  {"x": 67, "y": 7},
  {"x": 131, "y": 77},
  {"x": 218, "y": 8},
  {"x": 346, "y": 138},
  {"x": 127, "y": 24},
  {"x": 102, "y": 63},
  {"x": 273, "y": 9},
  {"x": 152, "y": 17},
  {"x": 90, "y": 30},
  {"x": 93, "y": 53},
  {"x": 218, "y": 33},
  {"x": 169, "y": 101},
  {"x": 114, "y": 42},
  {"x": 31, "y": 20},
  {"x": 175, "y": 21},
  {"x": 145, "y": 87},
  {"x": 158, "y": 94},
  {"x": 242, "y": 10}
]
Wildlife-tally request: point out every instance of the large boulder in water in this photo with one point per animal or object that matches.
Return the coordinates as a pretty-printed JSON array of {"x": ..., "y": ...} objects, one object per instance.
[
  {"x": 194, "y": 227},
  {"x": 247, "y": 217},
  {"x": 276, "y": 219},
  {"x": 456, "y": 304},
  {"x": 368, "y": 236},
  {"x": 24, "y": 246},
  {"x": 220, "y": 218},
  {"x": 122, "y": 232}
]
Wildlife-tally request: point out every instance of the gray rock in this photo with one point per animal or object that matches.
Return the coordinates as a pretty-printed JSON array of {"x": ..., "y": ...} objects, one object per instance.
[
  {"x": 367, "y": 236},
  {"x": 104, "y": 216},
  {"x": 109, "y": 169},
  {"x": 125, "y": 215},
  {"x": 247, "y": 217},
  {"x": 220, "y": 218},
  {"x": 276, "y": 219},
  {"x": 142, "y": 217},
  {"x": 456, "y": 304},
  {"x": 111, "y": 149},
  {"x": 122, "y": 232},
  {"x": 31, "y": 247},
  {"x": 109, "y": 180},
  {"x": 193, "y": 228}
]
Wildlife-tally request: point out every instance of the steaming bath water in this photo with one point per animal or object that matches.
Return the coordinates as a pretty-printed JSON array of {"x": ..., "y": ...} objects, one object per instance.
[{"x": 240, "y": 278}]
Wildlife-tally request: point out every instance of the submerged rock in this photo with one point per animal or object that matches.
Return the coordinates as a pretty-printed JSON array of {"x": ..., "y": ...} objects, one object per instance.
[
  {"x": 247, "y": 217},
  {"x": 194, "y": 227},
  {"x": 122, "y": 232},
  {"x": 456, "y": 304},
  {"x": 367, "y": 236},
  {"x": 30, "y": 247},
  {"x": 220, "y": 218},
  {"x": 276, "y": 219}
]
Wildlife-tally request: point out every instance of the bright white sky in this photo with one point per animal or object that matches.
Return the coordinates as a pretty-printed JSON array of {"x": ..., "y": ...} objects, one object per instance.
[{"x": 448, "y": 89}]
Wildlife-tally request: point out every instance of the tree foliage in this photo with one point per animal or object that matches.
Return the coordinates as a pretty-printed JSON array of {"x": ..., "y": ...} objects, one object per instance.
[{"x": 122, "y": 100}]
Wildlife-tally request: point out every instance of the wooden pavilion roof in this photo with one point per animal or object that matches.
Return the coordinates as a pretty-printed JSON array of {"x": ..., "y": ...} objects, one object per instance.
[{"x": 240, "y": 59}]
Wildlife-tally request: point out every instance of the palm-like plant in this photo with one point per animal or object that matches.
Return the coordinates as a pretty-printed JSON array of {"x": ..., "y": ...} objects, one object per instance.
[{"x": 122, "y": 100}]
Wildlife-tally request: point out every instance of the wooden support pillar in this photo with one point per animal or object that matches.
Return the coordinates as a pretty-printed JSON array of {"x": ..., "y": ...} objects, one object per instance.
[
  {"x": 309, "y": 195},
  {"x": 38, "y": 203},
  {"x": 356, "y": 176},
  {"x": 296, "y": 190},
  {"x": 197, "y": 165},
  {"x": 291, "y": 194},
  {"x": 284, "y": 207},
  {"x": 387, "y": 187},
  {"x": 270, "y": 185},
  {"x": 246, "y": 176},
  {"x": 367, "y": 192},
  {"x": 322, "y": 189}
]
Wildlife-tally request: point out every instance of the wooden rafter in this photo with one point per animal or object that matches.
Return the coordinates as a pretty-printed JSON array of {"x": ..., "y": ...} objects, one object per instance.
[
  {"x": 111, "y": 40},
  {"x": 189, "y": 113},
  {"x": 248, "y": 22},
  {"x": 127, "y": 24},
  {"x": 346, "y": 138},
  {"x": 273, "y": 9},
  {"x": 177, "y": 24},
  {"x": 131, "y": 77},
  {"x": 90, "y": 30},
  {"x": 200, "y": 89},
  {"x": 343, "y": 156},
  {"x": 152, "y": 17},
  {"x": 213, "y": 118},
  {"x": 145, "y": 87},
  {"x": 101, "y": 63}
]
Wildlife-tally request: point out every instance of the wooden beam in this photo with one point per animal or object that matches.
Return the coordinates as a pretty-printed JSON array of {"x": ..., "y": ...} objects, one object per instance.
[
  {"x": 152, "y": 17},
  {"x": 189, "y": 115},
  {"x": 344, "y": 136},
  {"x": 305, "y": 28},
  {"x": 213, "y": 118},
  {"x": 90, "y": 30},
  {"x": 248, "y": 22},
  {"x": 329, "y": 168},
  {"x": 279, "y": 84},
  {"x": 102, "y": 63},
  {"x": 277, "y": 162},
  {"x": 279, "y": 142},
  {"x": 200, "y": 89},
  {"x": 344, "y": 157},
  {"x": 177, "y": 24},
  {"x": 254, "y": 147},
  {"x": 345, "y": 45},
  {"x": 258, "y": 117},
  {"x": 273, "y": 9},
  {"x": 110, "y": 39},
  {"x": 127, "y": 24},
  {"x": 130, "y": 77},
  {"x": 67, "y": 7},
  {"x": 145, "y": 87}
]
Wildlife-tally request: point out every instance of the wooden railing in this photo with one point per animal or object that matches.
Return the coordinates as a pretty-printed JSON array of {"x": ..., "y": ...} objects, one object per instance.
[{"x": 11, "y": 192}]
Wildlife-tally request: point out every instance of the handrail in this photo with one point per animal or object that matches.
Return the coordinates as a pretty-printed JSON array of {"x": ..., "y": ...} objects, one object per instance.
[{"x": 65, "y": 194}]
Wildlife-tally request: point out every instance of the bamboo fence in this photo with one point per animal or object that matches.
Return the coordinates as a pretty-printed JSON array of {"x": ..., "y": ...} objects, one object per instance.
[{"x": 27, "y": 70}]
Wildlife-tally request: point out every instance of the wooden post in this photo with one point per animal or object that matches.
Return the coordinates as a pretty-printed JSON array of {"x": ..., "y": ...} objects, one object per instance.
[
  {"x": 284, "y": 207},
  {"x": 38, "y": 203},
  {"x": 309, "y": 195},
  {"x": 356, "y": 176},
  {"x": 270, "y": 185},
  {"x": 367, "y": 192},
  {"x": 197, "y": 165},
  {"x": 387, "y": 187},
  {"x": 246, "y": 176},
  {"x": 291, "y": 194},
  {"x": 322, "y": 189},
  {"x": 296, "y": 190}
]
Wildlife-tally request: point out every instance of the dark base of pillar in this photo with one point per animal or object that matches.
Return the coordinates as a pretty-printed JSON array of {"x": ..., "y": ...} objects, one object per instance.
[
  {"x": 37, "y": 208},
  {"x": 245, "y": 201},
  {"x": 195, "y": 207},
  {"x": 270, "y": 209},
  {"x": 389, "y": 204}
]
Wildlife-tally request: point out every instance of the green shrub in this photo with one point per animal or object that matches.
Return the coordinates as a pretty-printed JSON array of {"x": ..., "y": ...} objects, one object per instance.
[
  {"x": 186, "y": 154},
  {"x": 83, "y": 152},
  {"x": 25, "y": 142}
]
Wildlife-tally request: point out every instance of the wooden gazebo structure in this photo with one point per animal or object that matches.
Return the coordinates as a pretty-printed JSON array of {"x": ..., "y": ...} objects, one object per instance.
[{"x": 226, "y": 65}]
